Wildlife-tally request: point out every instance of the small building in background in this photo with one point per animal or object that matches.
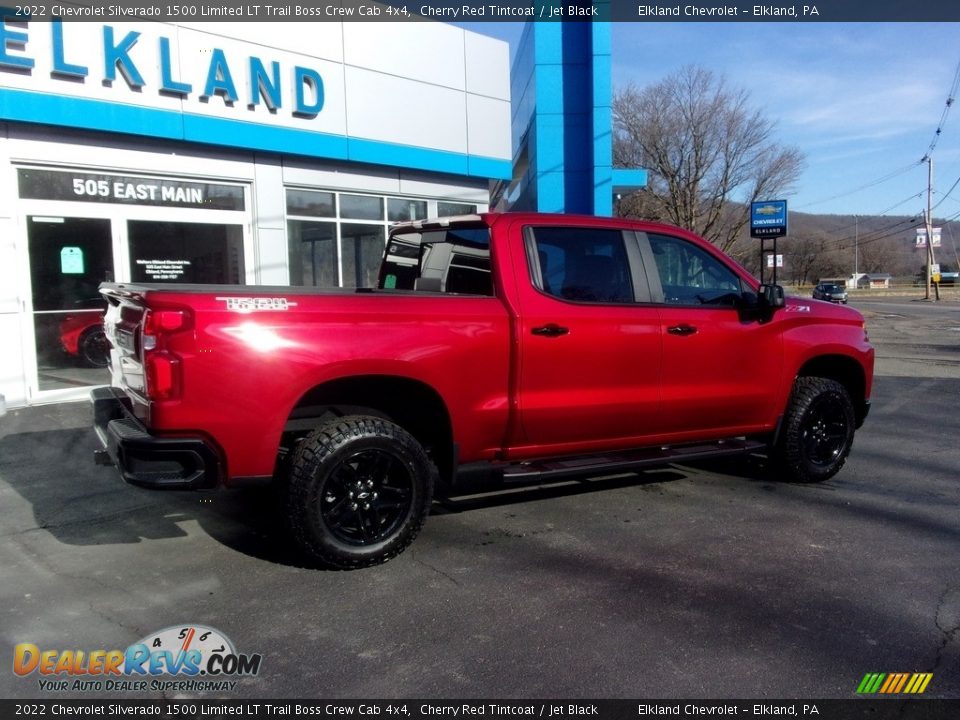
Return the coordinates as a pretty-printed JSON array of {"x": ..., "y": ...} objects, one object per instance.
[{"x": 871, "y": 281}]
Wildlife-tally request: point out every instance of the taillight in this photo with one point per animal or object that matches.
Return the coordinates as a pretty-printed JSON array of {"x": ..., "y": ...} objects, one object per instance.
[
  {"x": 162, "y": 366},
  {"x": 163, "y": 375},
  {"x": 158, "y": 321}
]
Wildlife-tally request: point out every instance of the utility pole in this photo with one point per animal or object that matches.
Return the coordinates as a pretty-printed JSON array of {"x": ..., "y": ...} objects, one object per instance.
[
  {"x": 856, "y": 251},
  {"x": 929, "y": 225}
]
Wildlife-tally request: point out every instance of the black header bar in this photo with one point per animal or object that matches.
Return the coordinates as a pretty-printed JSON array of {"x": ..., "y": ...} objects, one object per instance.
[
  {"x": 557, "y": 709},
  {"x": 640, "y": 11}
]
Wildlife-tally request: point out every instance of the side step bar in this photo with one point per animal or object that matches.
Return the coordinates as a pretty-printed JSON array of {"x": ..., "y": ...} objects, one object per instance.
[{"x": 534, "y": 470}]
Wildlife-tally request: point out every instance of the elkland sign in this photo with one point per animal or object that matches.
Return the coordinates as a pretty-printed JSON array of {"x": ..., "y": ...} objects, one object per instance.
[
  {"x": 326, "y": 90},
  {"x": 124, "y": 53}
]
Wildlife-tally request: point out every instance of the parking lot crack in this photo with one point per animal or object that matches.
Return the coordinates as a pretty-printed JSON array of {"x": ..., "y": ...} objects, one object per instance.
[
  {"x": 22, "y": 531},
  {"x": 947, "y": 621},
  {"x": 111, "y": 588},
  {"x": 427, "y": 565},
  {"x": 135, "y": 632}
]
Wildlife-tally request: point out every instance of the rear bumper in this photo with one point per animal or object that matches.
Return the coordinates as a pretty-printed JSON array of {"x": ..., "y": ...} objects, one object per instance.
[{"x": 143, "y": 459}]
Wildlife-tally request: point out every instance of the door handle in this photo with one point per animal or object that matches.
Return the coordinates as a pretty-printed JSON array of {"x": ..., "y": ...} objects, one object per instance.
[
  {"x": 681, "y": 330},
  {"x": 550, "y": 330}
]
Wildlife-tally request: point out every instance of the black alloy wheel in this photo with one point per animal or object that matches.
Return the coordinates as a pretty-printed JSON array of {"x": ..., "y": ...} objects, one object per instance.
[
  {"x": 825, "y": 430},
  {"x": 817, "y": 431},
  {"x": 358, "y": 491},
  {"x": 366, "y": 496}
]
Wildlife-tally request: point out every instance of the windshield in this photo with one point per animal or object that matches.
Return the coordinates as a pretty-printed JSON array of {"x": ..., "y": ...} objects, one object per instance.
[{"x": 448, "y": 260}]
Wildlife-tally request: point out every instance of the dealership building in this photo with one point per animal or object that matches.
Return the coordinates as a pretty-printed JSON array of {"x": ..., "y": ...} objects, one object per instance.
[{"x": 265, "y": 154}]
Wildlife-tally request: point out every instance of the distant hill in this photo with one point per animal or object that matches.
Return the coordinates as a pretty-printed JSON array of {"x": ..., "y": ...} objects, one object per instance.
[{"x": 823, "y": 246}]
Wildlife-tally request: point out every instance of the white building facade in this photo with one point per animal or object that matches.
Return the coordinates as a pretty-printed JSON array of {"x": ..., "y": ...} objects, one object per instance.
[{"x": 253, "y": 153}]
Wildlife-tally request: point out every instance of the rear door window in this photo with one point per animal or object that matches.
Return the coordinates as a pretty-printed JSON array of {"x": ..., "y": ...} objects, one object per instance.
[
  {"x": 447, "y": 260},
  {"x": 580, "y": 264}
]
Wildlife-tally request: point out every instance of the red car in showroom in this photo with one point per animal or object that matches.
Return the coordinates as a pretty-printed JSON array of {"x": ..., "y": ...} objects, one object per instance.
[{"x": 82, "y": 336}]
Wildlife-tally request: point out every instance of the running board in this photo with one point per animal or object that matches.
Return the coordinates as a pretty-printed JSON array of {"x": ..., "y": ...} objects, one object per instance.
[{"x": 625, "y": 461}]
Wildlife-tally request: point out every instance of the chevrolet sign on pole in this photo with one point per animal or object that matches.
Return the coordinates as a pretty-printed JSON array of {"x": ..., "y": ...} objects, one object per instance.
[{"x": 768, "y": 218}]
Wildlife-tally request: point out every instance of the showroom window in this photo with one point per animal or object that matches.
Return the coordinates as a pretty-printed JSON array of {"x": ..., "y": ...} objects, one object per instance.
[
  {"x": 451, "y": 209},
  {"x": 336, "y": 239}
]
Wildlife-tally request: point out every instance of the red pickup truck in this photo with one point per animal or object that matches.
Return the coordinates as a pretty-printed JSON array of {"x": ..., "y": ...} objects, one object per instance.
[{"x": 537, "y": 345}]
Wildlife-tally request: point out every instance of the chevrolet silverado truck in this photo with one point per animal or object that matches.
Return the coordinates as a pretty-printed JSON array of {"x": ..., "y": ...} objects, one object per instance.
[{"x": 537, "y": 346}]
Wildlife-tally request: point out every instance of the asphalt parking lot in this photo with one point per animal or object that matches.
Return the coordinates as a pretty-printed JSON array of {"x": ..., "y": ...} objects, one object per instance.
[{"x": 712, "y": 581}]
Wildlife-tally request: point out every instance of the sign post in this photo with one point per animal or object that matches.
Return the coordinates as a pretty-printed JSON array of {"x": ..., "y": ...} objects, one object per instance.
[{"x": 768, "y": 219}]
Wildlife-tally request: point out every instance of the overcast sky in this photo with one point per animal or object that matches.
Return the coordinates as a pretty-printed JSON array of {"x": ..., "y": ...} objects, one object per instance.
[{"x": 861, "y": 101}]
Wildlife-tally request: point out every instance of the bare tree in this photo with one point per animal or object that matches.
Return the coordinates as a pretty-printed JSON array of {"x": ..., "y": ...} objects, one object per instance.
[
  {"x": 708, "y": 152},
  {"x": 880, "y": 255},
  {"x": 811, "y": 256}
]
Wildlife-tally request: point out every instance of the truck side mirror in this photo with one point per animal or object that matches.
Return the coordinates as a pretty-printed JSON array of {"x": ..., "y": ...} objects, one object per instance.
[{"x": 772, "y": 296}]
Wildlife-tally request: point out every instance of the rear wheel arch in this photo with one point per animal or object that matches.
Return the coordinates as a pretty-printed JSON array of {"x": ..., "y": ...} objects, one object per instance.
[{"x": 411, "y": 404}]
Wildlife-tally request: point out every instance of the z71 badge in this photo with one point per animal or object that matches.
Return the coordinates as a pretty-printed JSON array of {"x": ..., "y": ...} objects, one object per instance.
[
  {"x": 797, "y": 308},
  {"x": 256, "y": 304}
]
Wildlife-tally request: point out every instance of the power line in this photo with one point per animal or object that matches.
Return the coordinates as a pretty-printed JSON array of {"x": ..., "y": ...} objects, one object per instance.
[
  {"x": 953, "y": 242},
  {"x": 946, "y": 112},
  {"x": 894, "y": 232},
  {"x": 954, "y": 87},
  {"x": 878, "y": 181},
  {"x": 882, "y": 212},
  {"x": 884, "y": 233},
  {"x": 952, "y": 188},
  {"x": 902, "y": 202},
  {"x": 866, "y": 235},
  {"x": 952, "y": 218}
]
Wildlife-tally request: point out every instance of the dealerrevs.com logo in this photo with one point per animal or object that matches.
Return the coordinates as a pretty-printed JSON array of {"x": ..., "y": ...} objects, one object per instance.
[{"x": 199, "y": 658}]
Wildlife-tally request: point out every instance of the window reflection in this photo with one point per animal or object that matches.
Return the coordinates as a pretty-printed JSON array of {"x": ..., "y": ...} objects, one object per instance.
[
  {"x": 69, "y": 258},
  {"x": 313, "y": 253}
]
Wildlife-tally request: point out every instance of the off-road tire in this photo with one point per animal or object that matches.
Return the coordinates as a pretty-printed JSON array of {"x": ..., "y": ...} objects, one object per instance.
[
  {"x": 358, "y": 491},
  {"x": 817, "y": 431}
]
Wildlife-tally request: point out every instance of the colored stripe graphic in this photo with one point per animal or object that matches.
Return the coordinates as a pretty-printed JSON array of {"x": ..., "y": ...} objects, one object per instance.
[
  {"x": 871, "y": 683},
  {"x": 919, "y": 683},
  {"x": 894, "y": 683}
]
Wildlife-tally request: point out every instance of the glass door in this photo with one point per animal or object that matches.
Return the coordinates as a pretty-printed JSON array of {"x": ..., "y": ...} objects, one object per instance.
[
  {"x": 69, "y": 258},
  {"x": 83, "y": 229}
]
